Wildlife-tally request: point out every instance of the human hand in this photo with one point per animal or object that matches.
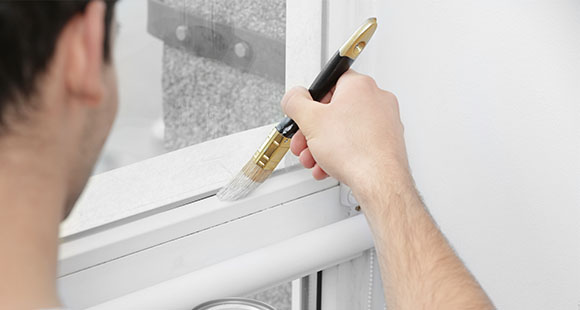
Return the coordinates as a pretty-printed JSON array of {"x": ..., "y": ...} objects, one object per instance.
[{"x": 354, "y": 134}]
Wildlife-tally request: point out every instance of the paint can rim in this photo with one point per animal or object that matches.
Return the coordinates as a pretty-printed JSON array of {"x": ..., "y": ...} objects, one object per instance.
[{"x": 241, "y": 303}]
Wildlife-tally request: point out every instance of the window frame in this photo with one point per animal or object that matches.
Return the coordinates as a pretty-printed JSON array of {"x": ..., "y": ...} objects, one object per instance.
[
  {"x": 116, "y": 262},
  {"x": 198, "y": 171},
  {"x": 118, "y": 231}
]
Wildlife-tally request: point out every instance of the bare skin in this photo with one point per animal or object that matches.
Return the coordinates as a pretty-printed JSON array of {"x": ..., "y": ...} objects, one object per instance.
[
  {"x": 367, "y": 152},
  {"x": 46, "y": 156}
]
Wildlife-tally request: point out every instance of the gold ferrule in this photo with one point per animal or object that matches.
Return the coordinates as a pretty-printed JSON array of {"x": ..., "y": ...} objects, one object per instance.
[
  {"x": 359, "y": 40},
  {"x": 272, "y": 151}
]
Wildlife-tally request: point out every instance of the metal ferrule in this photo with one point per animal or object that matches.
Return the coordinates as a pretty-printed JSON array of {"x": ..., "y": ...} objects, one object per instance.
[
  {"x": 358, "y": 41},
  {"x": 272, "y": 151}
]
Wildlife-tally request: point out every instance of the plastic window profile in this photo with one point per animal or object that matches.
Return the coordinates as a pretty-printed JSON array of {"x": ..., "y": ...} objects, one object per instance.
[{"x": 305, "y": 24}]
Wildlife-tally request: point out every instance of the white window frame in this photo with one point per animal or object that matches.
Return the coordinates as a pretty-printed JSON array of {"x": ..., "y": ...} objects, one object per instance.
[{"x": 153, "y": 234}]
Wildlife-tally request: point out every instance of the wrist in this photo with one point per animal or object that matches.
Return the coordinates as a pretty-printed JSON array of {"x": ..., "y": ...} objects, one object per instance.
[{"x": 369, "y": 189}]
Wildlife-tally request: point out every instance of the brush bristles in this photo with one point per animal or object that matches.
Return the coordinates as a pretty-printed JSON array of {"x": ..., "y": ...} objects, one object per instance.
[{"x": 245, "y": 182}]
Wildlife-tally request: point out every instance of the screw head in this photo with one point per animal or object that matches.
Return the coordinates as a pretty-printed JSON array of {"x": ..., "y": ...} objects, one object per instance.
[
  {"x": 181, "y": 32},
  {"x": 242, "y": 49}
]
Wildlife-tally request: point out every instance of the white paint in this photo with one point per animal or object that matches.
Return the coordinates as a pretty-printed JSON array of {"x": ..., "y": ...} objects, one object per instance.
[
  {"x": 489, "y": 98},
  {"x": 273, "y": 264}
]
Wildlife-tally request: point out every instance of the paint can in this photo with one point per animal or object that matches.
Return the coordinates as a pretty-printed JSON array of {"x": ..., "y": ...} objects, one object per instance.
[{"x": 234, "y": 304}]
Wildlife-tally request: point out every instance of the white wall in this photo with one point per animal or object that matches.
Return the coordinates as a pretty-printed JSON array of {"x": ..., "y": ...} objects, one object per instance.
[{"x": 490, "y": 98}]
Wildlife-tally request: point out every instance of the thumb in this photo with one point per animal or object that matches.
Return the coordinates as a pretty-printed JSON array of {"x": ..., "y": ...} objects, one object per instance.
[{"x": 299, "y": 106}]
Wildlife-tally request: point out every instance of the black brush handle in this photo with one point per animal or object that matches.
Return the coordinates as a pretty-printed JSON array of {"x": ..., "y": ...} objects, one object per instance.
[{"x": 324, "y": 82}]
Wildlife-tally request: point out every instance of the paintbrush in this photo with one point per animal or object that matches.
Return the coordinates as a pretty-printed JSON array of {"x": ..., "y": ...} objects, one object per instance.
[{"x": 267, "y": 157}]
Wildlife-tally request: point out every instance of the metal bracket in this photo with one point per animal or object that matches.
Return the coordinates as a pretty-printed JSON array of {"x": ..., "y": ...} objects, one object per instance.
[
  {"x": 242, "y": 49},
  {"x": 347, "y": 199}
]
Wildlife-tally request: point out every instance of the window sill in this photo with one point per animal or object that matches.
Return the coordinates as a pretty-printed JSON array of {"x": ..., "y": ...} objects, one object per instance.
[
  {"x": 110, "y": 263},
  {"x": 164, "y": 182}
]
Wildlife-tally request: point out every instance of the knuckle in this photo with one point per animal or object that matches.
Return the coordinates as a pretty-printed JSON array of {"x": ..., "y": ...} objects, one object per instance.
[
  {"x": 296, "y": 90},
  {"x": 388, "y": 97},
  {"x": 285, "y": 103},
  {"x": 300, "y": 92},
  {"x": 292, "y": 93},
  {"x": 365, "y": 80}
]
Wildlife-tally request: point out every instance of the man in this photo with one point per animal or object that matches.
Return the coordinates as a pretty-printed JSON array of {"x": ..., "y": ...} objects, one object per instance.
[{"x": 58, "y": 99}]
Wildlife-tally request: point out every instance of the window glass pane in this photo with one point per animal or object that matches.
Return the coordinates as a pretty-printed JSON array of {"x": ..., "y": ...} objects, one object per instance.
[{"x": 194, "y": 70}]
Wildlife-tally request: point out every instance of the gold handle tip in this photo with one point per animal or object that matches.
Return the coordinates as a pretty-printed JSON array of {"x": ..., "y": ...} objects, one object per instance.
[{"x": 359, "y": 39}]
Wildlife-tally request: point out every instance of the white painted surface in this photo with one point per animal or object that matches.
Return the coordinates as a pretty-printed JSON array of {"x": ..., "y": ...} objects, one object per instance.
[
  {"x": 273, "y": 264},
  {"x": 101, "y": 246},
  {"x": 303, "y": 41},
  {"x": 297, "y": 295},
  {"x": 489, "y": 98},
  {"x": 214, "y": 237}
]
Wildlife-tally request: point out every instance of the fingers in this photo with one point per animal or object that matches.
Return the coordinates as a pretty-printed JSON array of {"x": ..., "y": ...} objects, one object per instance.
[
  {"x": 300, "y": 148},
  {"x": 306, "y": 159},
  {"x": 318, "y": 173},
  {"x": 348, "y": 75},
  {"x": 298, "y": 143},
  {"x": 328, "y": 97},
  {"x": 299, "y": 106},
  {"x": 354, "y": 82}
]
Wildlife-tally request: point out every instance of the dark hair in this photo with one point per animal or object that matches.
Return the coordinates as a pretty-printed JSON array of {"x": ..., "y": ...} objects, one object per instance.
[{"x": 28, "y": 34}]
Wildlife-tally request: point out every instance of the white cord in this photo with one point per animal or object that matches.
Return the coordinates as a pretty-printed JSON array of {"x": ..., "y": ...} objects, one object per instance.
[{"x": 371, "y": 278}]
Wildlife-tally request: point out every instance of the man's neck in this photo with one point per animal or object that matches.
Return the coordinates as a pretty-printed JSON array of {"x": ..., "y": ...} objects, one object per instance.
[{"x": 33, "y": 194}]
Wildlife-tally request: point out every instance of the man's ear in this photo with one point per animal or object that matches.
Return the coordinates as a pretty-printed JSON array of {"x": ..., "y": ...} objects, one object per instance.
[{"x": 84, "y": 40}]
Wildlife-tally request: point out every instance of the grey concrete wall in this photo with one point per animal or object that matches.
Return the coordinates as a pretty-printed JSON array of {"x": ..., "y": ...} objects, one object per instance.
[{"x": 204, "y": 98}]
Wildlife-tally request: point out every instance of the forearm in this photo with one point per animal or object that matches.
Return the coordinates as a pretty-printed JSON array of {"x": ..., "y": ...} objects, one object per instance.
[{"x": 419, "y": 268}]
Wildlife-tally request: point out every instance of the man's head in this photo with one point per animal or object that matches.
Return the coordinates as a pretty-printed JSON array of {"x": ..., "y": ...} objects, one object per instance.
[{"x": 58, "y": 95}]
